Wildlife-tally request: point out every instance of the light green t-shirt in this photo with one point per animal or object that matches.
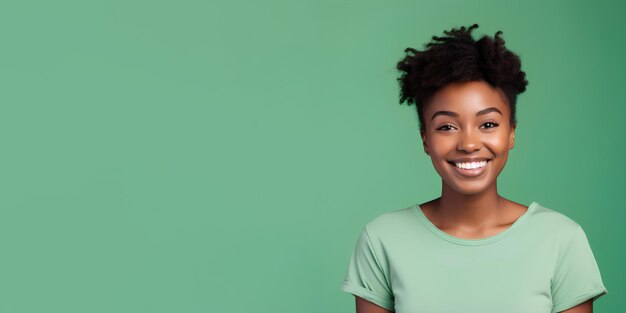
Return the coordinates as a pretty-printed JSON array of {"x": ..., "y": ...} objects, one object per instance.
[{"x": 543, "y": 263}]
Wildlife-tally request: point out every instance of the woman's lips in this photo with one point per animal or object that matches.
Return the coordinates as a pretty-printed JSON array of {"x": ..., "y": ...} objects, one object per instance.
[{"x": 470, "y": 172}]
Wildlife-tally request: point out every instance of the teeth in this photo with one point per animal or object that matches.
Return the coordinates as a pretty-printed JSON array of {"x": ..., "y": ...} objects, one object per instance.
[{"x": 471, "y": 165}]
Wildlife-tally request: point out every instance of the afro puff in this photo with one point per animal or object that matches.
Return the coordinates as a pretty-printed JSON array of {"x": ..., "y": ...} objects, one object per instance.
[{"x": 457, "y": 57}]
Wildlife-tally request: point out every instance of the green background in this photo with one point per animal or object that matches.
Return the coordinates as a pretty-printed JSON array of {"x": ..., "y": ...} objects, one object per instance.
[{"x": 213, "y": 156}]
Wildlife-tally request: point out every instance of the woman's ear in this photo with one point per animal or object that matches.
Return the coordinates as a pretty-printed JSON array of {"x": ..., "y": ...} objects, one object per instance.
[
  {"x": 512, "y": 138},
  {"x": 424, "y": 142}
]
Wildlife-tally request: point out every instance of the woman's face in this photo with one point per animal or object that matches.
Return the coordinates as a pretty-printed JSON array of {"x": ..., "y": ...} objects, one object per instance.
[{"x": 467, "y": 124}]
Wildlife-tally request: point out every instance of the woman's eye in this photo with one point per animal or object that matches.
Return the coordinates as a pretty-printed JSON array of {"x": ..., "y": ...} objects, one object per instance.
[
  {"x": 491, "y": 123},
  {"x": 445, "y": 127},
  {"x": 487, "y": 125}
]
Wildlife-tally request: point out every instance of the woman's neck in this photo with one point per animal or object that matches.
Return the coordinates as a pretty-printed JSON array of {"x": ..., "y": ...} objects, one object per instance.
[{"x": 475, "y": 212}]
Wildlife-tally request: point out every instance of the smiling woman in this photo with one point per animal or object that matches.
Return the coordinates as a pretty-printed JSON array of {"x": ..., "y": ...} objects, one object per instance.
[
  {"x": 468, "y": 135},
  {"x": 471, "y": 249}
]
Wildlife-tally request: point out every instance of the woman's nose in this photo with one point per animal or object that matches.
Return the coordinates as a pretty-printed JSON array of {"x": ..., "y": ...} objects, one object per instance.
[{"x": 469, "y": 141}]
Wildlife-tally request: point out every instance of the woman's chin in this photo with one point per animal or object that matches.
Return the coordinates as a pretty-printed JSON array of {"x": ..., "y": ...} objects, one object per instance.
[{"x": 469, "y": 188}]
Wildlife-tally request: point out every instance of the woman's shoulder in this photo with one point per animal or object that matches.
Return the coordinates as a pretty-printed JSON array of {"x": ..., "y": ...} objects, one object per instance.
[
  {"x": 392, "y": 219},
  {"x": 552, "y": 219}
]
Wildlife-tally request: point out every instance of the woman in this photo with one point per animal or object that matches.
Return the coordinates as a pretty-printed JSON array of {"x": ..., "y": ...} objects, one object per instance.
[{"x": 470, "y": 250}]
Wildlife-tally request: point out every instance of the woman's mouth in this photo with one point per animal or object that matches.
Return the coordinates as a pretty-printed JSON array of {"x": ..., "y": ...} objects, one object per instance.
[{"x": 470, "y": 169}]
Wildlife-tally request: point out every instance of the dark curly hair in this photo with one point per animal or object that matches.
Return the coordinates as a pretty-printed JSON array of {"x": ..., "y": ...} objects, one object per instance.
[{"x": 459, "y": 58}]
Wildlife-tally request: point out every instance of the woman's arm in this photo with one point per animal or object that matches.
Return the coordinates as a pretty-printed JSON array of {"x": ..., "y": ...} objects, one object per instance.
[
  {"x": 364, "y": 306},
  {"x": 585, "y": 307}
]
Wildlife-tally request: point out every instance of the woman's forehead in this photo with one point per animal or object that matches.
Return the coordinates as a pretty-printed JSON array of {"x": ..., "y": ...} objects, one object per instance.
[{"x": 471, "y": 97}]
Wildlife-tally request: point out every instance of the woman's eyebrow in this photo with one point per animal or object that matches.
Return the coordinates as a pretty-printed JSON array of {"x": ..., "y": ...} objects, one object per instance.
[{"x": 453, "y": 114}]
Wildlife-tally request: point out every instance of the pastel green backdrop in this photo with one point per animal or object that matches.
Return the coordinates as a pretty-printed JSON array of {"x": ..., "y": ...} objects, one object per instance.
[{"x": 214, "y": 156}]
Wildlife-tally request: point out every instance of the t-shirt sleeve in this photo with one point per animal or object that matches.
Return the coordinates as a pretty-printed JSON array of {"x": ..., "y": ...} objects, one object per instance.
[
  {"x": 576, "y": 276},
  {"x": 367, "y": 275}
]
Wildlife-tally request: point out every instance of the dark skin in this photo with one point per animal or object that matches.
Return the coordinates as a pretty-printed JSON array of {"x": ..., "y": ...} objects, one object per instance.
[{"x": 469, "y": 207}]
